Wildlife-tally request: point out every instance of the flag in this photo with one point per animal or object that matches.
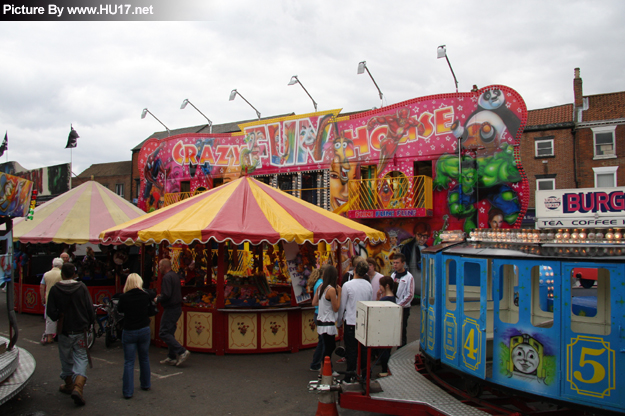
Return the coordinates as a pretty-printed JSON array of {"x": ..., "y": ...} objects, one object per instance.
[
  {"x": 71, "y": 139},
  {"x": 5, "y": 144}
]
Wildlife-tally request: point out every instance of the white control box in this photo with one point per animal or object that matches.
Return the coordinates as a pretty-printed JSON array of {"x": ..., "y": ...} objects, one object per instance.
[{"x": 378, "y": 324}]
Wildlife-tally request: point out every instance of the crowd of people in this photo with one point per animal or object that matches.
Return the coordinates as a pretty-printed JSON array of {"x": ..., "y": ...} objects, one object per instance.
[
  {"x": 336, "y": 302},
  {"x": 69, "y": 314}
]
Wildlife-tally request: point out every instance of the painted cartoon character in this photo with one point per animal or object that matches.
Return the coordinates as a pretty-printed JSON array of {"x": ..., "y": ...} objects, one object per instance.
[
  {"x": 7, "y": 193},
  {"x": 398, "y": 125},
  {"x": 152, "y": 172},
  {"x": 250, "y": 156},
  {"x": 526, "y": 357},
  {"x": 341, "y": 171},
  {"x": 386, "y": 193},
  {"x": 486, "y": 176},
  {"x": 280, "y": 146},
  {"x": 311, "y": 140}
]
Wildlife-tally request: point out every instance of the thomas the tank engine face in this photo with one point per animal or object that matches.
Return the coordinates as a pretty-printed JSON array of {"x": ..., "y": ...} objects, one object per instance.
[{"x": 525, "y": 358}]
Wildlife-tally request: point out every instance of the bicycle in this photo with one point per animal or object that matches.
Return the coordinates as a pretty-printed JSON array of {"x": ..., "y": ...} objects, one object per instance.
[{"x": 109, "y": 324}]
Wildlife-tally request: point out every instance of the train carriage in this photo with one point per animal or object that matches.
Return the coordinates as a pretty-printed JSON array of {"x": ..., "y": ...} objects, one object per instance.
[{"x": 506, "y": 308}]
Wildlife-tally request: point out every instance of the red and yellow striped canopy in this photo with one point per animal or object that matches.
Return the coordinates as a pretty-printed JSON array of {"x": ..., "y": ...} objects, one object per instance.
[
  {"x": 77, "y": 216},
  {"x": 244, "y": 210}
]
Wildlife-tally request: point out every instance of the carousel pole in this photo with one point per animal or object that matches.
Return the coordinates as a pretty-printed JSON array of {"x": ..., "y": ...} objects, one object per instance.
[
  {"x": 221, "y": 272},
  {"x": 221, "y": 319}
]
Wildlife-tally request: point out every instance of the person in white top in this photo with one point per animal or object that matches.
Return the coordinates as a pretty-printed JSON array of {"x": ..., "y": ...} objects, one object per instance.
[
  {"x": 374, "y": 278},
  {"x": 405, "y": 290},
  {"x": 357, "y": 289},
  {"x": 328, "y": 298}
]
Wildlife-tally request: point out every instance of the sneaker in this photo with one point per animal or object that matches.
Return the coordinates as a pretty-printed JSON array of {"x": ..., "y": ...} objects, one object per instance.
[
  {"x": 341, "y": 360},
  {"x": 380, "y": 375},
  {"x": 182, "y": 358},
  {"x": 168, "y": 361},
  {"x": 335, "y": 374},
  {"x": 316, "y": 370}
]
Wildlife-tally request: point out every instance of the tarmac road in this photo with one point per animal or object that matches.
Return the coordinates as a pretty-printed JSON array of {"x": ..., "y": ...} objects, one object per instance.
[{"x": 206, "y": 384}]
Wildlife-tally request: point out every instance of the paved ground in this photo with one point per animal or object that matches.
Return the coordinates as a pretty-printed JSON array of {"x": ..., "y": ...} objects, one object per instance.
[{"x": 257, "y": 384}]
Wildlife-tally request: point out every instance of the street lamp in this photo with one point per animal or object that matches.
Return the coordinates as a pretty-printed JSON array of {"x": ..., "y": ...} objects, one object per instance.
[
  {"x": 234, "y": 93},
  {"x": 441, "y": 52},
  {"x": 294, "y": 80},
  {"x": 146, "y": 111},
  {"x": 362, "y": 67},
  {"x": 184, "y": 104}
]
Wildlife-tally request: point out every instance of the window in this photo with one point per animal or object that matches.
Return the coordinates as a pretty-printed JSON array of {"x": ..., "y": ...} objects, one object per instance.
[
  {"x": 450, "y": 290},
  {"x": 605, "y": 177},
  {"x": 542, "y": 291},
  {"x": 544, "y": 147},
  {"x": 509, "y": 294},
  {"x": 119, "y": 189},
  {"x": 590, "y": 310},
  {"x": 604, "y": 142},
  {"x": 137, "y": 187},
  {"x": 545, "y": 184}
]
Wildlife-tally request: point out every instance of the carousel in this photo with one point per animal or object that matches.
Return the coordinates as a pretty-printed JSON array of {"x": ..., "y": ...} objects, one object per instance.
[
  {"x": 72, "y": 219},
  {"x": 17, "y": 365},
  {"x": 243, "y": 252}
]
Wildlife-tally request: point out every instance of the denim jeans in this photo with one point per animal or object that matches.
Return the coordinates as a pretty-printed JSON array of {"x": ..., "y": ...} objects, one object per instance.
[
  {"x": 169, "y": 319},
  {"x": 73, "y": 355},
  {"x": 134, "y": 341},
  {"x": 317, "y": 360}
]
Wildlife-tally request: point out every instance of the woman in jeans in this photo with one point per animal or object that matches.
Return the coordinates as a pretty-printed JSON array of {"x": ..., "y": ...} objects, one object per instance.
[
  {"x": 328, "y": 297},
  {"x": 133, "y": 303},
  {"x": 314, "y": 282}
]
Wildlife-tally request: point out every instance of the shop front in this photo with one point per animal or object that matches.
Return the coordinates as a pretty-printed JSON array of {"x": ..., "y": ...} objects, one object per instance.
[{"x": 244, "y": 252}]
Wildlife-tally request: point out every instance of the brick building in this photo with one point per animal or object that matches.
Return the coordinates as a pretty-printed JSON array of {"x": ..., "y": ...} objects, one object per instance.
[
  {"x": 575, "y": 145},
  {"x": 115, "y": 176},
  {"x": 599, "y": 138},
  {"x": 547, "y": 149}
]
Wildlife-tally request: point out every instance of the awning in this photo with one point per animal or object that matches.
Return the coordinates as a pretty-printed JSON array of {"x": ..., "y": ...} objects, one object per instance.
[
  {"x": 244, "y": 210},
  {"x": 77, "y": 216}
]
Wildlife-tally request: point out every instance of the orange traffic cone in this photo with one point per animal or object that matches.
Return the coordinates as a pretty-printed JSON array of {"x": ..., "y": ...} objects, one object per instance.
[{"x": 327, "y": 399}]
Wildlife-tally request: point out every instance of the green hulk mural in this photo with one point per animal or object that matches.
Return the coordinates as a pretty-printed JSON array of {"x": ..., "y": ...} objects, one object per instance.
[{"x": 483, "y": 177}]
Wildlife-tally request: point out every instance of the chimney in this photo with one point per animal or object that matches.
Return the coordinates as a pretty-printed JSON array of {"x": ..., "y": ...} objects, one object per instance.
[{"x": 577, "y": 90}]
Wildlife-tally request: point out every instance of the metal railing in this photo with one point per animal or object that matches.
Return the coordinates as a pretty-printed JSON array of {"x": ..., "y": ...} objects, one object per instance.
[
  {"x": 172, "y": 198},
  {"x": 391, "y": 192}
]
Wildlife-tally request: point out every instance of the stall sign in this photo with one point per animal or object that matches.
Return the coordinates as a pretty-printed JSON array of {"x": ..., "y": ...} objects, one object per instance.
[{"x": 592, "y": 207}]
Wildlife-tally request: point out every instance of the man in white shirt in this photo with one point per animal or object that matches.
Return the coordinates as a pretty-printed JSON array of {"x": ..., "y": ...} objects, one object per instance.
[
  {"x": 357, "y": 289},
  {"x": 405, "y": 290}
]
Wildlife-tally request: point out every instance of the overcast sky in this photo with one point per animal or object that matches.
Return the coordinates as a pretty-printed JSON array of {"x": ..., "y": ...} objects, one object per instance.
[{"x": 100, "y": 75}]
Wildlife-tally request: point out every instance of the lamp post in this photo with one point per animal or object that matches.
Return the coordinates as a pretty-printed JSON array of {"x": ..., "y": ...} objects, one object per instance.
[
  {"x": 441, "y": 52},
  {"x": 294, "y": 80},
  {"x": 234, "y": 93},
  {"x": 184, "y": 104},
  {"x": 362, "y": 67},
  {"x": 146, "y": 111}
]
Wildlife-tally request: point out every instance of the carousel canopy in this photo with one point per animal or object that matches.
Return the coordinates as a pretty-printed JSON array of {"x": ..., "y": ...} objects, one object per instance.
[
  {"x": 244, "y": 210},
  {"x": 77, "y": 216}
]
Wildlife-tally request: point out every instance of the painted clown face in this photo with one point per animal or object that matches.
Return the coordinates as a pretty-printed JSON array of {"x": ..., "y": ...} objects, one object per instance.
[
  {"x": 485, "y": 129},
  {"x": 525, "y": 358}
]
